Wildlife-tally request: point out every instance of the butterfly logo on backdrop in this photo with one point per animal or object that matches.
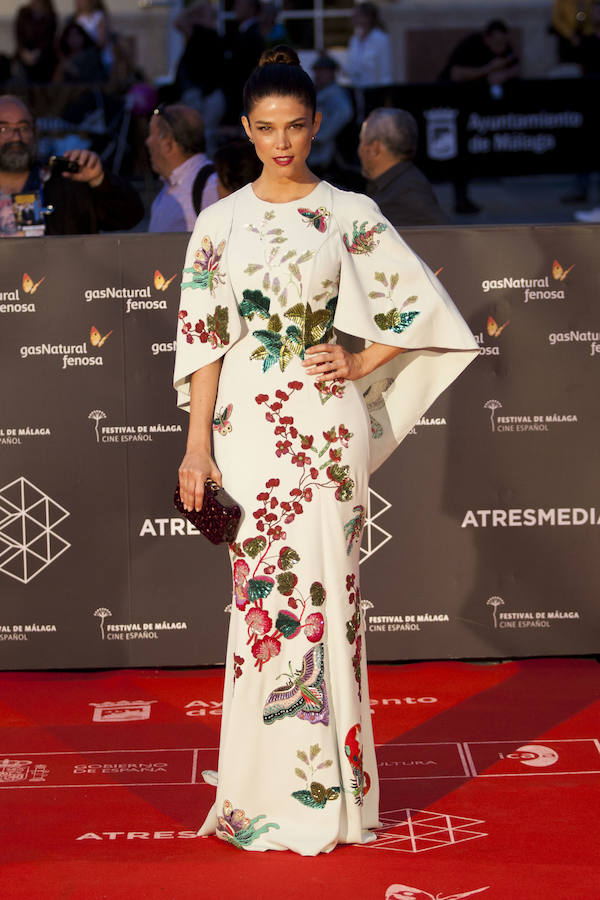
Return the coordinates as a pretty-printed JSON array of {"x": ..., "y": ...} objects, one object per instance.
[
  {"x": 495, "y": 330},
  {"x": 97, "y": 339},
  {"x": 160, "y": 282},
  {"x": 558, "y": 273},
  {"x": 29, "y": 285}
]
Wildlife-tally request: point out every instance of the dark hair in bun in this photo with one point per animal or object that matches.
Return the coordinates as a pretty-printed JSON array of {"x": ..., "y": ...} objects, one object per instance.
[{"x": 279, "y": 73}]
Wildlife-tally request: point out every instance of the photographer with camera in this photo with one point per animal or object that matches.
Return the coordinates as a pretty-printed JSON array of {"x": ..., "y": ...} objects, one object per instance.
[{"x": 84, "y": 200}]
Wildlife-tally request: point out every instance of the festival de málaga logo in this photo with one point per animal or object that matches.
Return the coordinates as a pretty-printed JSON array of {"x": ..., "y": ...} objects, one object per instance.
[
  {"x": 503, "y": 422},
  {"x": 135, "y": 299},
  {"x": 11, "y": 301},
  {"x": 540, "y": 288},
  {"x": 127, "y": 434},
  {"x": 71, "y": 355},
  {"x": 537, "y": 618}
]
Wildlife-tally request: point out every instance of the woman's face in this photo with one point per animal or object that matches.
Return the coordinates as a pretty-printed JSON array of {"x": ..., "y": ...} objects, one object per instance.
[{"x": 282, "y": 129}]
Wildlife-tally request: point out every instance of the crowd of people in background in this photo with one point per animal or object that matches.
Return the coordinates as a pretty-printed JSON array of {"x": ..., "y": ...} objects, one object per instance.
[{"x": 191, "y": 126}]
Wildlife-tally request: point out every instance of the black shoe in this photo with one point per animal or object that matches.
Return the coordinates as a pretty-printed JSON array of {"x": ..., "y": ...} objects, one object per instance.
[{"x": 466, "y": 207}]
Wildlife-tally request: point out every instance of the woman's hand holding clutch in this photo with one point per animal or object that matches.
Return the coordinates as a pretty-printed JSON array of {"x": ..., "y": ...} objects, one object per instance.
[{"x": 197, "y": 465}]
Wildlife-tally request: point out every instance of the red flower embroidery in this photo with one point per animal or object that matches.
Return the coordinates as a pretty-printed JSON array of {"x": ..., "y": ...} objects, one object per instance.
[
  {"x": 265, "y": 648},
  {"x": 313, "y": 627},
  {"x": 258, "y": 621}
]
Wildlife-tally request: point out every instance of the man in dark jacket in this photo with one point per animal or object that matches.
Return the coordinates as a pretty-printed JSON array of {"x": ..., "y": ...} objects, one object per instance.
[
  {"x": 84, "y": 202},
  {"x": 388, "y": 143}
]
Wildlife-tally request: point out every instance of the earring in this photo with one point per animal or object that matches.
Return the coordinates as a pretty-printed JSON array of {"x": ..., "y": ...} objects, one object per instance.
[
  {"x": 313, "y": 137},
  {"x": 251, "y": 141}
]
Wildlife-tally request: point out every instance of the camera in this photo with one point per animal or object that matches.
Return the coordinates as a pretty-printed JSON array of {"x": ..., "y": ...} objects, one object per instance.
[{"x": 61, "y": 164}]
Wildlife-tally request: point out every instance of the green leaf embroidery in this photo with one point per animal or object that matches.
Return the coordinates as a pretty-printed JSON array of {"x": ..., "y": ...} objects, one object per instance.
[
  {"x": 259, "y": 588},
  {"x": 254, "y": 546},
  {"x": 317, "y": 593},
  {"x": 288, "y": 558},
  {"x": 288, "y": 624},
  {"x": 394, "y": 281},
  {"x": 251, "y": 268},
  {"x": 314, "y": 750},
  {"x": 375, "y": 294},
  {"x": 286, "y": 582},
  {"x": 302, "y": 756},
  {"x": 275, "y": 323},
  {"x": 301, "y": 774},
  {"x": 379, "y": 276},
  {"x": 255, "y": 302}
]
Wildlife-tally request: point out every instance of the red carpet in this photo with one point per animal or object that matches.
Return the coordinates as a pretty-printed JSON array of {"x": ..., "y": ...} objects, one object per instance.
[{"x": 489, "y": 776}]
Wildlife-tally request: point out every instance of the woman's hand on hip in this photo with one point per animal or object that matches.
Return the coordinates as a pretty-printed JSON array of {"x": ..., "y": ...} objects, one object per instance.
[
  {"x": 197, "y": 465},
  {"x": 329, "y": 361}
]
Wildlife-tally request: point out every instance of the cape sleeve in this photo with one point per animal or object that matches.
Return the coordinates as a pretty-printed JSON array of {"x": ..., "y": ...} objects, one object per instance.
[
  {"x": 387, "y": 295},
  {"x": 208, "y": 320}
]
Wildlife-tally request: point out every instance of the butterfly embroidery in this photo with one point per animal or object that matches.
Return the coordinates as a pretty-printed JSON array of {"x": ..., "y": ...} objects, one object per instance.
[
  {"x": 96, "y": 339},
  {"x": 493, "y": 329},
  {"x": 160, "y": 283},
  {"x": 361, "y": 781},
  {"x": 318, "y": 218},
  {"x": 28, "y": 284},
  {"x": 221, "y": 421},
  {"x": 305, "y": 694},
  {"x": 558, "y": 273}
]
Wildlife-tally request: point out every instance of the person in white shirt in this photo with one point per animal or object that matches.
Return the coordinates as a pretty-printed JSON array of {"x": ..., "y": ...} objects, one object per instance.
[
  {"x": 369, "y": 56},
  {"x": 176, "y": 147}
]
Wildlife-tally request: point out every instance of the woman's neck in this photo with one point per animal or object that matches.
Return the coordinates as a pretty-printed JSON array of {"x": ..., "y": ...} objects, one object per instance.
[{"x": 282, "y": 190}]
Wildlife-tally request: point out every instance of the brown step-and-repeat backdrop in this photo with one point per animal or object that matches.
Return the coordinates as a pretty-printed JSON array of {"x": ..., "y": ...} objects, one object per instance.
[{"x": 482, "y": 535}]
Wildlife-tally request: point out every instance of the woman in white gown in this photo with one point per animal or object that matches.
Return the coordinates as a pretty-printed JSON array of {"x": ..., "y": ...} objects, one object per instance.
[{"x": 269, "y": 271}]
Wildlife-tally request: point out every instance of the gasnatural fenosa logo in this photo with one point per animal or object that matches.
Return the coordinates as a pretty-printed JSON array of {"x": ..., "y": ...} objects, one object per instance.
[{"x": 11, "y": 300}]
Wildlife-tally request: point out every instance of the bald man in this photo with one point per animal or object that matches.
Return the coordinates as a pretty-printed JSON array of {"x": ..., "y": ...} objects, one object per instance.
[
  {"x": 84, "y": 202},
  {"x": 176, "y": 147}
]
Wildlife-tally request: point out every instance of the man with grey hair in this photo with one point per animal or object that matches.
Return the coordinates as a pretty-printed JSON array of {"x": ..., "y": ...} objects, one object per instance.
[
  {"x": 176, "y": 147},
  {"x": 388, "y": 144}
]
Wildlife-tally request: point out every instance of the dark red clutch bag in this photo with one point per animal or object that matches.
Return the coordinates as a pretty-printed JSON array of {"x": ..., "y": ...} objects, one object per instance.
[{"x": 219, "y": 518}]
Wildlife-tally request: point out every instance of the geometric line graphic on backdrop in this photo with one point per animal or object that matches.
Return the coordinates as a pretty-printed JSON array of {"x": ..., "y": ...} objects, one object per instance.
[
  {"x": 417, "y": 830},
  {"x": 28, "y": 540},
  {"x": 374, "y": 536}
]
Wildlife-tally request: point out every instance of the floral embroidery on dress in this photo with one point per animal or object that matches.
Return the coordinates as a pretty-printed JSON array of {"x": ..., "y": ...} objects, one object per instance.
[
  {"x": 353, "y": 626},
  {"x": 205, "y": 268},
  {"x": 276, "y": 346},
  {"x": 329, "y": 389},
  {"x": 235, "y": 827},
  {"x": 363, "y": 238},
  {"x": 221, "y": 421},
  {"x": 304, "y": 695},
  {"x": 318, "y": 795},
  {"x": 353, "y": 528},
  {"x": 317, "y": 218},
  {"x": 272, "y": 239},
  {"x": 361, "y": 782},
  {"x": 374, "y": 401},
  {"x": 395, "y": 320},
  {"x": 381, "y": 277},
  {"x": 213, "y": 332}
]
